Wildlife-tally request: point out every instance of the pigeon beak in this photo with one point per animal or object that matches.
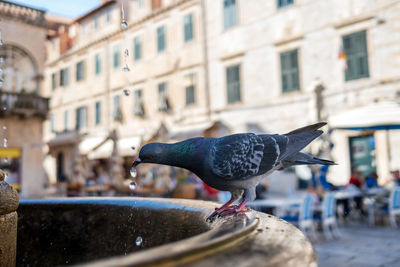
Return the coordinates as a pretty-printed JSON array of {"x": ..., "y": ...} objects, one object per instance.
[{"x": 136, "y": 162}]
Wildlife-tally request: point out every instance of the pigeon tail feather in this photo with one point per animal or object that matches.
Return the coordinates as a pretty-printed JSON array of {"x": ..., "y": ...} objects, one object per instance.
[
  {"x": 304, "y": 159},
  {"x": 300, "y": 138},
  {"x": 309, "y": 128}
]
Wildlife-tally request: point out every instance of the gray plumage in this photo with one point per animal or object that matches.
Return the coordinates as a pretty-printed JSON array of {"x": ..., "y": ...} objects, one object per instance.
[{"x": 237, "y": 162}]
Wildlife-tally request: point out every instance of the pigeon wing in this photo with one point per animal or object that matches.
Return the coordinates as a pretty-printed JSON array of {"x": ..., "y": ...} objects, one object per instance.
[{"x": 237, "y": 156}]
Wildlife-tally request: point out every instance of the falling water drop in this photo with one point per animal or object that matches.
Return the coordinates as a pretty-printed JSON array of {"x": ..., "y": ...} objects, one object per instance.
[
  {"x": 126, "y": 68},
  {"x": 126, "y": 53},
  {"x": 124, "y": 24},
  {"x": 132, "y": 185},
  {"x": 133, "y": 172},
  {"x": 139, "y": 241},
  {"x": 127, "y": 92}
]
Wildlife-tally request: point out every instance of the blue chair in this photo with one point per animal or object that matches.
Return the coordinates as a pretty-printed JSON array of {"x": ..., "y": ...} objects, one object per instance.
[
  {"x": 304, "y": 219},
  {"x": 394, "y": 206},
  {"x": 329, "y": 223}
]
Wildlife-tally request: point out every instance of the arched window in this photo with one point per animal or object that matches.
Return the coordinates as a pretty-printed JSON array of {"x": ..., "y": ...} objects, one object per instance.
[{"x": 20, "y": 72}]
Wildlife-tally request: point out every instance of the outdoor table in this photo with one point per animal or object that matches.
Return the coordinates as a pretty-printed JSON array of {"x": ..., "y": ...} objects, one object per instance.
[{"x": 274, "y": 204}]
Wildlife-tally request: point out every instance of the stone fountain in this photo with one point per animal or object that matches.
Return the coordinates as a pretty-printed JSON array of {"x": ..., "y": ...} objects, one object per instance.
[{"x": 143, "y": 232}]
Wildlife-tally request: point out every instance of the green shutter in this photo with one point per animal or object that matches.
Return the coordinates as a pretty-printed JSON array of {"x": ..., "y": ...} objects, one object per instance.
[
  {"x": 97, "y": 64},
  {"x": 161, "y": 39},
  {"x": 233, "y": 84},
  {"x": 188, "y": 27},
  {"x": 355, "y": 48},
  {"x": 289, "y": 71},
  {"x": 98, "y": 112},
  {"x": 116, "y": 57},
  {"x": 137, "y": 47},
  {"x": 230, "y": 17},
  {"x": 283, "y": 3}
]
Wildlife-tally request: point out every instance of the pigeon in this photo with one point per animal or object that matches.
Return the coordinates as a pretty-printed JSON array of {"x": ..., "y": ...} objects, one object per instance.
[{"x": 235, "y": 163}]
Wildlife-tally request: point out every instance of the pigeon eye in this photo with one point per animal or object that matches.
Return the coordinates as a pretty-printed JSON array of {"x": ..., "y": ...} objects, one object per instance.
[{"x": 148, "y": 157}]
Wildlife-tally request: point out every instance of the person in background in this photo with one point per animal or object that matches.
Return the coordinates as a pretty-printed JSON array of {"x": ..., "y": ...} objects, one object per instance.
[
  {"x": 356, "y": 179},
  {"x": 372, "y": 180},
  {"x": 396, "y": 177}
]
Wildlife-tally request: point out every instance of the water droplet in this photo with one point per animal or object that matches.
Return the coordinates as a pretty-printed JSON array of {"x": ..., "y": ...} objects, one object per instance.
[
  {"x": 139, "y": 241},
  {"x": 133, "y": 172},
  {"x": 124, "y": 24},
  {"x": 126, "y": 68},
  {"x": 127, "y": 92},
  {"x": 4, "y": 127},
  {"x": 126, "y": 53},
  {"x": 132, "y": 185}
]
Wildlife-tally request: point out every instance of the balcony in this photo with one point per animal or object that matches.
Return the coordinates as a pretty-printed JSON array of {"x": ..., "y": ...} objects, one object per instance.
[{"x": 23, "y": 105}]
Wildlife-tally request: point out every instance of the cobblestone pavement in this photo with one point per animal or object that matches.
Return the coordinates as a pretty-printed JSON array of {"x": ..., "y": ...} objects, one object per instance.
[{"x": 361, "y": 245}]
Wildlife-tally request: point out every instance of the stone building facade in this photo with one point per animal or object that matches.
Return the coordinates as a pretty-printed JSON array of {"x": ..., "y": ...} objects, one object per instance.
[
  {"x": 206, "y": 67},
  {"x": 23, "y": 107}
]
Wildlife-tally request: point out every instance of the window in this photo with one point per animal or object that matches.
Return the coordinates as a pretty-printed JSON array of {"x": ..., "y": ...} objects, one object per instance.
[
  {"x": 138, "y": 108},
  {"x": 84, "y": 29},
  {"x": 289, "y": 71},
  {"x": 188, "y": 27},
  {"x": 53, "y": 123},
  {"x": 283, "y": 3},
  {"x": 108, "y": 15},
  {"x": 97, "y": 60},
  {"x": 95, "y": 23},
  {"x": 66, "y": 120},
  {"x": 80, "y": 118},
  {"x": 117, "y": 115},
  {"x": 137, "y": 48},
  {"x": 163, "y": 104},
  {"x": 64, "y": 77},
  {"x": 98, "y": 112},
  {"x": 116, "y": 57},
  {"x": 161, "y": 39},
  {"x": 53, "y": 81},
  {"x": 233, "y": 83},
  {"x": 230, "y": 18},
  {"x": 355, "y": 48},
  {"x": 80, "y": 71},
  {"x": 190, "y": 89}
]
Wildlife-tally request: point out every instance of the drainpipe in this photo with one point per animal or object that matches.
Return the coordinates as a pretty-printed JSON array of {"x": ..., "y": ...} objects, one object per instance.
[
  {"x": 8, "y": 223},
  {"x": 205, "y": 59}
]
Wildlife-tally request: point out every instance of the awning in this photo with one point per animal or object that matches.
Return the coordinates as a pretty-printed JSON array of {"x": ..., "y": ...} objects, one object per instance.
[
  {"x": 377, "y": 116},
  {"x": 182, "y": 132},
  {"x": 125, "y": 145},
  {"x": 89, "y": 143}
]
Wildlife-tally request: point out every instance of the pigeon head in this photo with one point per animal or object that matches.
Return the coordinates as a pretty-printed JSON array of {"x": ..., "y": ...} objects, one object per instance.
[{"x": 150, "y": 153}]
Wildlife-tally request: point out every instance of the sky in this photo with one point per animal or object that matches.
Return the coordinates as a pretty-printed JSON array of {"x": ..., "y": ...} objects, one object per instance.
[{"x": 67, "y": 8}]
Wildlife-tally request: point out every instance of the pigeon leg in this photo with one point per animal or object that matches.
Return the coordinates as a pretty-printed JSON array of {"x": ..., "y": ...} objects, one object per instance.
[
  {"x": 235, "y": 209},
  {"x": 218, "y": 211}
]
